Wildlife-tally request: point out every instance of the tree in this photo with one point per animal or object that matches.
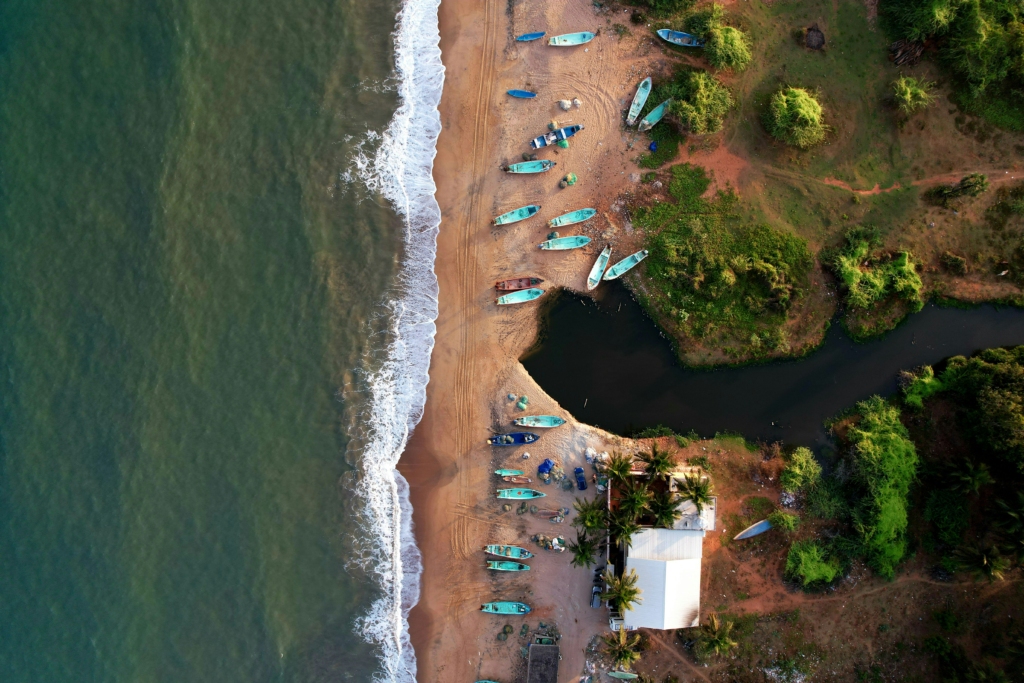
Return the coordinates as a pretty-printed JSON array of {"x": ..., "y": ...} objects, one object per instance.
[
  {"x": 714, "y": 637},
  {"x": 983, "y": 561},
  {"x": 702, "y": 102},
  {"x": 968, "y": 476},
  {"x": 795, "y": 117},
  {"x": 622, "y": 590},
  {"x": 622, "y": 526},
  {"x": 664, "y": 508},
  {"x": 591, "y": 514},
  {"x": 619, "y": 467},
  {"x": 634, "y": 497},
  {"x": 622, "y": 649},
  {"x": 911, "y": 94},
  {"x": 698, "y": 489},
  {"x": 802, "y": 471},
  {"x": 1011, "y": 523},
  {"x": 584, "y": 550},
  {"x": 809, "y": 563},
  {"x": 659, "y": 464},
  {"x": 727, "y": 48}
]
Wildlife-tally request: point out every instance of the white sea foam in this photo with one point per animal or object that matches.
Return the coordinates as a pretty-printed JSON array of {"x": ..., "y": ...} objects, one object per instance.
[{"x": 401, "y": 170}]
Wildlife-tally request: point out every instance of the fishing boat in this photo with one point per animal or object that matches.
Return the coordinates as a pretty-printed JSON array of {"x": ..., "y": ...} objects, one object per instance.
[
  {"x": 513, "y": 439},
  {"x": 508, "y": 551},
  {"x": 598, "y": 270},
  {"x": 527, "y": 37},
  {"x": 551, "y": 514},
  {"x": 655, "y": 115},
  {"x": 516, "y": 215},
  {"x": 505, "y": 608},
  {"x": 539, "y": 421},
  {"x": 622, "y": 675},
  {"x": 520, "y": 297},
  {"x": 506, "y": 566},
  {"x": 753, "y": 530},
  {"x": 522, "y": 94},
  {"x": 679, "y": 38},
  {"x": 625, "y": 265},
  {"x": 538, "y": 166},
  {"x": 639, "y": 100},
  {"x": 517, "y": 283},
  {"x": 556, "y": 135},
  {"x": 571, "y": 218},
  {"x": 570, "y": 39},
  {"x": 520, "y": 494},
  {"x": 563, "y": 243},
  {"x": 508, "y": 473},
  {"x": 517, "y": 480}
]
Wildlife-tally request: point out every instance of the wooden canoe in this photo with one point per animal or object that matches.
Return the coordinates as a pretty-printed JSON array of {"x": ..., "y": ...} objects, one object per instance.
[{"x": 515, "y": 284}]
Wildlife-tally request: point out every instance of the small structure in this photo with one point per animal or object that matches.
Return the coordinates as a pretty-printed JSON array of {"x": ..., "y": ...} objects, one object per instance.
[
  {"x": 814, "y": 38},
  {"x": 542, "y": 666},
  {"x": 667, "y": 565}
]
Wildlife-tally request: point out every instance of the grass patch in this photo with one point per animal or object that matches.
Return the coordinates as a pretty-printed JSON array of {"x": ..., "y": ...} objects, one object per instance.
[{"x": 668, "y": 138}]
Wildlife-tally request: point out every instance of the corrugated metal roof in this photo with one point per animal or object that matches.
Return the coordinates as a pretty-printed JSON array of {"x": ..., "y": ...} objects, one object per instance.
[
  {"x": 670, "y": 594},
  {"x": 667, "y": 544}
]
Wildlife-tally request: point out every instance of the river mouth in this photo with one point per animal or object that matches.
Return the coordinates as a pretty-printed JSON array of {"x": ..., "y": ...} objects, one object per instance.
[{"x": 608, "y": 364}]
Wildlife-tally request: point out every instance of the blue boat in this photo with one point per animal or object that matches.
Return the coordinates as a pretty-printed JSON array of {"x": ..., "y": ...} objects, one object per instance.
[
  {"x": 679, "y": 38},
  {"x": 527, "y": 37},
  {"x": 571, "y": 39},
  {"x": 513, "y": 439},
  {"x": 522, "y": 94},
  {"x": 655, "y": 115},
  {"x": 753, "y": 530},
  {"x": 538, "y": 166},
  {"x": 554, "y": 136}
]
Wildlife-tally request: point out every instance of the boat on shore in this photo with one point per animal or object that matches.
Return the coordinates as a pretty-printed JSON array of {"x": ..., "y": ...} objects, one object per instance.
[
  {"x": 639, "y": 100},
  {"x": 517, "y": 479},
  {"x": 517, "y": 283},
  {"x": 623, "y": 675},
  {"x": 527, "y": 37},
  {"x": 538, "y": 166},
  {"x": 679, "y": 38},
  {"x": 571, "y": 218},
  {"x": 563, "y": 243},
  {"x": 570, "y": 39},
  {"x": 555, "y": 136},
  {"x": 516, "y": 215},
  {"x": 520, "y": 297},
  {"x": 522, "y": 94},
  {"x": 513, "y": 439},
  {"x": 598, "y": 270},
  {"x": 655, "y": 115},
  {"x": 519, "y": 494},
  {"x": 545, "y": 421},
  {"x": 508, "y": 473},
  {"x": 753, "y": 530},
  {"x": 507, "y": 566},
  {"x": 513, "y": 551},
  {"x": 503, "y": 607},
  {"x": 625, "y": 265}
]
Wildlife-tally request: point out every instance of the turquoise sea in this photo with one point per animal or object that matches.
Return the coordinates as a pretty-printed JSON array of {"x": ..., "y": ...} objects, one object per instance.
[{"x": 216, "y": 306}]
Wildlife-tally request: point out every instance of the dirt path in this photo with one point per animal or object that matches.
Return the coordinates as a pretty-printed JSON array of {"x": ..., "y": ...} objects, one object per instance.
[{"x": 995, "y": 176}]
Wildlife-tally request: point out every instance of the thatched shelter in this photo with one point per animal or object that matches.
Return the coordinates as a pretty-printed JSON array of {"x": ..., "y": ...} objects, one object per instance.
[{"x": 814, "y": 38}]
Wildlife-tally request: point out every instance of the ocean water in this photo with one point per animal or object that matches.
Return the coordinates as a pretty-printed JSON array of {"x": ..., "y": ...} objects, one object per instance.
[{"x": 216, "y": 313}]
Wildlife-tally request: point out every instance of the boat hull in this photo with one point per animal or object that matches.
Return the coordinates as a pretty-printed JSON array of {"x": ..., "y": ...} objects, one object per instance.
[
  {"x": 753, "y": 530},
  {"x": 506, "y": 566},
  {"x": 516, "y": 284},
  {"x": 564, "y": 243},
  {"x": 520, "y": 297},
  {"x": 656, "y": 114},
  {"x": 679, "y": 38},
  {"x": 505, "y": 608},
  {"x": 572, "y": 218},
  {"x": 625, "y": 265},
  {"x": 555, "y": 135},
  {"x": 570, "y": 39},
  {"x": 598, "y": 270},
  {"x": 513, "y": 439},
  {"x": 546, "y": 421},
  {"x": 539, "y": 166},
  {"x": 508, "y": 473},
  {"x": 527, "y": 37},
  {"x": 506, "y": 551},
  {"x": 639, "y": 100},
  {"x": 520, "y": 494},
  {"x": 516, "y": 215},
  {"x": 522, "y": 94}
]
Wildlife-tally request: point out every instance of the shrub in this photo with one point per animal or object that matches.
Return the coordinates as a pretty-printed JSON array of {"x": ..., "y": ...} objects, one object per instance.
[
  {"x": 826, "y": 500},
  {"x": 801, "y": 471},
  {"x": 869, "y": 280},
  {"x": 703, "y": 102},
  {"x": 969, "y": 186},
  {"x": 920, "y": 386},
  {"x": 911, "y": 94},
  {"x": 727, "y": 48},
  {"x": 808, "y": 562},
  {"x": 784, "y": 521},
  {"x": 705, "y": 20},
  {"x": 947, "y": 510},
  {"x": 667, "y": 7},
  {"x": 795, "y": 117},
  {"x": 953, "y": 263}
]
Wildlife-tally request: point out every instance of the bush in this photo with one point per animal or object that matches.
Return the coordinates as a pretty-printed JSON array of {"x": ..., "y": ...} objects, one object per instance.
[
  {"x": 801, "y": 471},
  {"x": 920, "y": 386},
  {"x": 727, "y": 48},
  {"x": 969, "y": 186},
  {"x": 947, "y": 511},
  {"x": 702, "y": 22},
  {"x": 827, "y": 501},
  {"x": 808, "y": 562},
  {"x": 784, "y": 521},
  {"x": 795, "y": 117},
  {"x": 911, "y": 94},
  {"x": 882, "y": 277},
  {"x": 953, "y": 263},
  {"x": 702, "y": 102},
  {"x": 667, "y": 7}
]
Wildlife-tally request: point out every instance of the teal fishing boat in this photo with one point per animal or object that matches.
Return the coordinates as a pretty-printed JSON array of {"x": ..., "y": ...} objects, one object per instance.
[
  {"x": 505, "y": 608},
  {"x": 509, "y": 473},
  {"x": 625, "y": 265},
  {"x": 572, "y": 217},
  {"x": 623, "y": 675},
  {"x": 513, "y": 551},
  {"x": 570, "y": 39},
  {"x": 507, "y": 566},
  {"x": 538, "y": 166},
  {"x": 520, "y": 297},
  {"x": 520, "y": 494},
  {"x": 562, "y": 243},
  {"x": 639, "y": 100},
  {"x": 679, "y": 38},
  {"x": 527, "y": 37},
  {"x": 655, "y": 115},
  {"x": 516, "y": 215},
  {"x": 539, "y": 421},
  {"x": 598, "y": 270}
]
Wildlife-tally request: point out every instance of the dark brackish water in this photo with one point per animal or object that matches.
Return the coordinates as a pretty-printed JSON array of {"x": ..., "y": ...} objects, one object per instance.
[{"x": 608, "y": 364}]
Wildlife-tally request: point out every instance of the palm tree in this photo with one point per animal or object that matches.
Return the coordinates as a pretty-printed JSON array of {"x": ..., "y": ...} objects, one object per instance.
[
  {"x": 664, "y": 507},
  {"x": 698, "y": 489},
  {"x": 967, "y": 477},
  {"x": 984, "y": 561},
  {"x": 583, "y": 550},
  {"x": 714, "y": 637},
  {"x": 659, "y": 464},
  {"x": 634, "y": 497},
  {"x": 622, "y": 649},
  {"x": 619, "y": 467},
  {"x": 622, "y": 526},
  {"x": 591, "y": 515},
  {"x": 622, "y": 590}
]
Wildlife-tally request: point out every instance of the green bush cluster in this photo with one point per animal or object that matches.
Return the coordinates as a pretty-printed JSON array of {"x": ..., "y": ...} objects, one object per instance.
[
  {"x": 969, "y": 186},
  {"x": 727, "y": 48},
  {"x": 809, "y": 562},
  {"x": 868, "y": 280},
  {"x": 919, "y": 386},
  {"x": 912, "y": 94},
  {"x": 784, "y": 521},
  {"x": 802, "y": 471},
  {"x": 827, "y": 500},
  {"x": 701, "y": 102},
  {"x": 795, "y": 117},
  {"x": 666, "y": 8}
]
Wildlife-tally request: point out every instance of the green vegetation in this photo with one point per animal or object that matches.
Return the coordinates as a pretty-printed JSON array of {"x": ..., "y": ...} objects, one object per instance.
[
  {"x": 919, "y": 386},
  {"x": 727, "y": 48},
  {"x": 795, "y": 117},
  {"x": 697, "y": 489},
  {"x": 618, "y": 467},
  {"x": 583, "y": 549},
  {"x": 802, "y": 471},
  {"x": 658, "y": 464},
  {"x": 809, "y": 563},
  {"x": 634, "y": 497},
  {"x": 784, "y": 521},
  {"x": 700, "y": 101},
  {"x": 827, "y": 500},
  {"x": 665, "y": 8},
  {"x": 622, "y": 590},
  {"x": 948, "y": 513},
  {"x": 591, "y": 514},
  {"x": 969, "y": 186},
  {"x": 714, "y": 638},
  {"x": 622, "y": 649},
  {"x": 664, "y": 507},
  {"x": 912, "y": 94},
  {"x": 668, "y": 140}
]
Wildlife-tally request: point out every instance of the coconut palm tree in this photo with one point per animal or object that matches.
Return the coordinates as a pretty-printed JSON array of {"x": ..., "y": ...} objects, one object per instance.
[
  {"x": 591, "y": 515},
  {"x": 583, "y": 550},
  {"x": 619, "y": 467},
  {"x": 664, "y": 507},
  {"x": 659, "y": 464},
  {"x": 622, "y": 526},
  {"x": 967, "y": 477},
  {"x": 714, "y": 636},
  {"x": 622, "y": 590},
  {"x": 634, "y": 497},
  {"x": 698, "y": 489},
  {"x": 983, "y": 561},
  {"x": 622, "y": 649}
]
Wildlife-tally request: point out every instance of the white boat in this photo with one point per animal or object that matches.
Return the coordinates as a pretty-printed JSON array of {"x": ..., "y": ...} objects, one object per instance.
[
  {"x": 639, "y": 100},
  {"x": 625, "y": 265},
  {"x": 598, "y": 270}
]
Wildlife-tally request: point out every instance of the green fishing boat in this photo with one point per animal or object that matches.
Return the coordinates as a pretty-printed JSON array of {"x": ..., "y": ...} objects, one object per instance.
[
  {"x": 508, "y": 551},
  {"x": 505, "y": 608},
  {"x": 520, "y": 214},
  {"x": 639, "y": 100},
  {"x": 572, "y": 217},
  {"x": 623, "y": 675},
  {"x": 507, "y": 566},
  {"x": 570, "y": 39},
  {"x": 509, "y": 473},
  {"x": 520, "y": 494},
  {"x": 539, "y": 421},
  {"x": 520, "y": 297},
  {"x": 538, "y": 166},
  {"x": 598, "y": 270},
  {"x": 625, "y": 265},
  {"x": 563, "y": 243},
  {"x": 654, "y": 116}
]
